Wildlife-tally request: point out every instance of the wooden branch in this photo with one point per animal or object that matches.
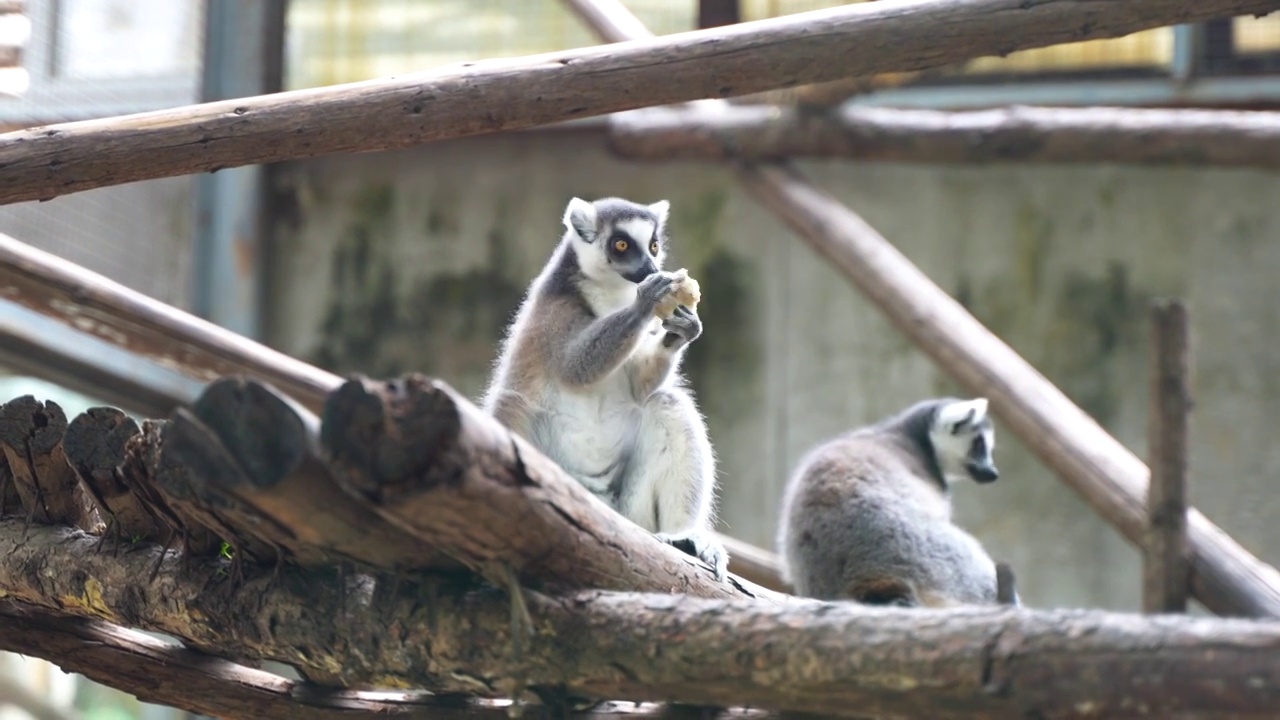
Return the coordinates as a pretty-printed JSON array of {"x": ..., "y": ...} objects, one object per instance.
[
  {"x": 1226, "y": 578},
  {"x": 835, "y": 659},
  {"x": 157, "y": 672},
  {"x": 272, "y": 444},
  {"x": 90, "y": 302},
  {"x": 1012, "y": 134},
  {"x": 434, "y": 465},
  {"x": 1165, "y": 566},
  {"x": 95, "y": 446},
  {"x": 31, "y": 437},
  {"x": 497, "y": 95},
  {"x": 26, "y": 350}
]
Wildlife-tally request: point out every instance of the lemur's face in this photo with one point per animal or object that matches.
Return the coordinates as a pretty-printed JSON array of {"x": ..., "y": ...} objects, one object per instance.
[
  {"x": 619, "y": 238},
  {"x": 964, "y": 440}
]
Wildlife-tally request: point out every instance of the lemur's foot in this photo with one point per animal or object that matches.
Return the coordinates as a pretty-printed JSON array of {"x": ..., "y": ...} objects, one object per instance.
[{"x": 703, "y": 546}]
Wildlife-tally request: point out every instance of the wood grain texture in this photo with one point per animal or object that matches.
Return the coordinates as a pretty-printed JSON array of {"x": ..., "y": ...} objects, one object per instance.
[
  {"x": 833, "y": 659},
  {"x": 497, "y": 95},
  {"x": 1014, "y": 134},
  {"x": 434, "y": 465},
  {"x": 1165, "y": 557}
]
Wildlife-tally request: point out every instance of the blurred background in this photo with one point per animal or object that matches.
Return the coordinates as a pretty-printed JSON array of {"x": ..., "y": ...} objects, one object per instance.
[{"x": 423, "y": 254}]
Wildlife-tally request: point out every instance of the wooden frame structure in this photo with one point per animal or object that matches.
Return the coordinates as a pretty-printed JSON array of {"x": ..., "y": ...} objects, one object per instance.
[{"x": 343, "y": 498}]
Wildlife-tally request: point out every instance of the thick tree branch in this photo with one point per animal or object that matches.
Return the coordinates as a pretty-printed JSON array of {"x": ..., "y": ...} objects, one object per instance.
[
  {"x": 836, "y": 659},
  {"x": 1027, "y": 134},
  {"x": 491, "y": 96},
  {"x": 1226, "y": 577},
  {"x": 434, "y": 465}
]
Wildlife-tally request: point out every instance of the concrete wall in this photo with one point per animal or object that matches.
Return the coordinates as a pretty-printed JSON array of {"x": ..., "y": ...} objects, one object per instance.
[{"x": 386, "y": 263}]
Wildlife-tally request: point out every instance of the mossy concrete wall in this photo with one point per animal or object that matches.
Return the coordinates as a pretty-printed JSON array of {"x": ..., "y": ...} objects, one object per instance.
[{"x": 386, "y": 263}]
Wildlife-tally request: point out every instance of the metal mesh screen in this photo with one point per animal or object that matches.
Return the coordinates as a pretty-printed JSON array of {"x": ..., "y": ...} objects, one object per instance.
[{"x": 97, "y": 58}]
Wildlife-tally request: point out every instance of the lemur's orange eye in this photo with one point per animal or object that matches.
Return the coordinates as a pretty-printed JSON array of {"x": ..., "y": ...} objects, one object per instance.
[
  {"x": 620, "y": 245},
  {"x": 653, "y": 248}
]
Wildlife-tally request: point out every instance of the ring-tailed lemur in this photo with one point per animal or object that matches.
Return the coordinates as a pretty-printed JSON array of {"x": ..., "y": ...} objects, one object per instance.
[
  {"x": 866, "y": 515},
  {"x": 590, "y": 376}
]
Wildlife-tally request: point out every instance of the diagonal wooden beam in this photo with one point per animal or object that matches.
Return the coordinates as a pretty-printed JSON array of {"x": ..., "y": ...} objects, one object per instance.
[
  {"x": 1228, "y": 579},
  {"x": 491, "y": 96}
]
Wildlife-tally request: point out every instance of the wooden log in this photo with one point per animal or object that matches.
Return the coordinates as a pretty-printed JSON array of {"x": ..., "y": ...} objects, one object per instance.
[
  {"x": 95, "y": 446},
  {"x": 1145, "y": 136},
  {"x": 140, "y": 471},
  {"x": 831, "y": 659},
  {"x": 155, "y": 671},
  {"x": 192, "y": 471},
  {"x": 31, "y": 437},
  {"x": 496, "y": 95},
  {"x": 1165, "y": 566},
  {"x": 1226, "y": 578},
  {"x": 435, "y": 465},
  {"x": 90, "y": 302},
  {"x": 275, "y": 444}
]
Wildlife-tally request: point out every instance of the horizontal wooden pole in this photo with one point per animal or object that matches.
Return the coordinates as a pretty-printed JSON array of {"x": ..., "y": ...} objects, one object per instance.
[
  {"x": 1142, "y": 136},
  {"x": 832, "y": 659},
  {"x": 1226, "y": 577},
  {"x": 158, "y": 672},
  {"x": 496, "y": 95}
]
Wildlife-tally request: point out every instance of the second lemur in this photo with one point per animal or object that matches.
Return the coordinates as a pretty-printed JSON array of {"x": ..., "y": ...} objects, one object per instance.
[
  {"x": 866, "y": 516},
  {"x": 590, "y": 374}
]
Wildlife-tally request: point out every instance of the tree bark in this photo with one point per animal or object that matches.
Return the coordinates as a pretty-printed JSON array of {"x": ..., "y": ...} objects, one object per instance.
[
  {"x": 1014, "y": 134},
  {"x": 426, "y": 459},
  {"x": 497, "y": 95},
  {"x": 95, "y": 445},
  {"x": 31, "y": 438},
  {"x": 1225, "y": 577},
  {"x": 272, "y": 445},
  {"x": 1165, "y": 559},
  {"x": 836, "y": 659}
]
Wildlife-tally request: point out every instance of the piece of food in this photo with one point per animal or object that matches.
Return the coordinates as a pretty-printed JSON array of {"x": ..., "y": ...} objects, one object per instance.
[{"x": 686, "y": 293}]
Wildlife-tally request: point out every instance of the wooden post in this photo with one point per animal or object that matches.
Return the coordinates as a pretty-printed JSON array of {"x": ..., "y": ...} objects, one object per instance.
[{"x": 1165, "y": 562}]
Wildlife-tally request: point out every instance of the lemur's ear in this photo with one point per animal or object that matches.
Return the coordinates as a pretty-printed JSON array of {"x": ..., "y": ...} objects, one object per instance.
[
  {"x": 660, "y": 209},
  {"x": 580, "y": 217},
  {"x": 959, "y": 415}
]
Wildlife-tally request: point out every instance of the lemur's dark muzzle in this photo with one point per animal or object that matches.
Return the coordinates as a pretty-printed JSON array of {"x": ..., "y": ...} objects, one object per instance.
[
  {"x": 983, "y": 472},
  {"x": 642, "y": 272}
]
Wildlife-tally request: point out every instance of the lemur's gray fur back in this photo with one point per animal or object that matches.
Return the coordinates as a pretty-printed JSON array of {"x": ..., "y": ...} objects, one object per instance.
[{"x": 866, "y": 516}]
